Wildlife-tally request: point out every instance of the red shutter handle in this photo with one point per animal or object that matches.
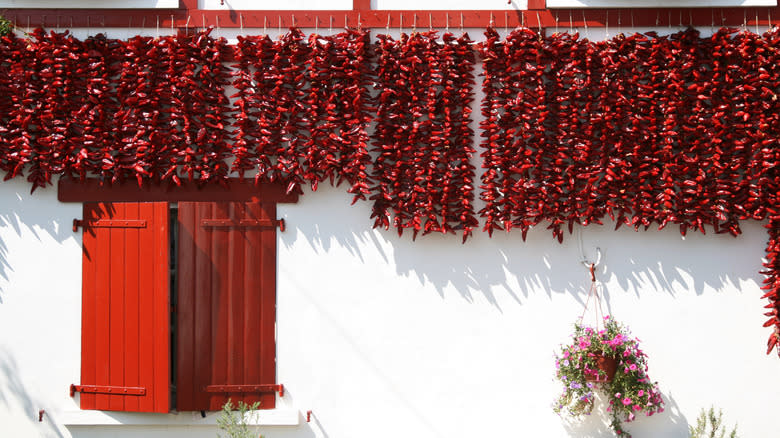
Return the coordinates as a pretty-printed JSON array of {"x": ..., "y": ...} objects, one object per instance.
[
  {"x": 76, "y": 224},
  {"x": 281, "y": 224}
]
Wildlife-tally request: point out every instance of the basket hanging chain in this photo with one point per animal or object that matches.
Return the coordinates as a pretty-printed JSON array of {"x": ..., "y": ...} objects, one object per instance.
[{"x": 596, "y": 299}]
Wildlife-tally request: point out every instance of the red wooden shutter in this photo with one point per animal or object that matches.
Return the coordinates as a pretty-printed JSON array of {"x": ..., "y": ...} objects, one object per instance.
[
  {"x": 125, "y": 325},
  {"x": 226, "y": 304}
]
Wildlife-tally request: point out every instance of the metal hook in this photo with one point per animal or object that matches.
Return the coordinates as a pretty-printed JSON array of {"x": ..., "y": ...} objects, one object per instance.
[
  {"x": 461, "y": 21},
  {"x": 539, "y": 22},
  {"x": 556, "y": 21},
  {"x": 387, "y": 27},
  {"x": 241, "y": 21},
  {"x": 187, "y": 25},
  {"x": 588, "y": 263},
  {"x": 172, "y": 23},
  {"x": 571, "y": 23},
  {"x": 756, "y": 21},
  {"x": 606, "y": 24},
  {"x": 430, "y": 21},
  {"x": 585, "y": 22}
]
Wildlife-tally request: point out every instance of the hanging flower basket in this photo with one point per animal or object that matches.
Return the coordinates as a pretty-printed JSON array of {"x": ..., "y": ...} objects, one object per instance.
[{"x": 607, "y": 360}]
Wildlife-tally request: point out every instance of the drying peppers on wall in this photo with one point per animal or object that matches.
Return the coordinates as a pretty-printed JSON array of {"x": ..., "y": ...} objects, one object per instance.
[
  {"x": 423, "y": 171},
  {"x": 647, "y": 130}
]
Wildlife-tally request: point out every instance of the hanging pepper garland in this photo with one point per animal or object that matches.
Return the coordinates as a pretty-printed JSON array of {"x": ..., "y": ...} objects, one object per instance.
[
  {"x": 423, "y": 171},
  {"x": 645, "y": 129},
  {"x": 12, "y": 105},
  {"x": 272, "y": 119},
  {"x": 339, "y": 103}
]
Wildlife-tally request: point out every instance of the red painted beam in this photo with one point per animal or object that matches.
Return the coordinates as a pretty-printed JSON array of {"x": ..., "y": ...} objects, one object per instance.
[{"x": 454, "y": 19}]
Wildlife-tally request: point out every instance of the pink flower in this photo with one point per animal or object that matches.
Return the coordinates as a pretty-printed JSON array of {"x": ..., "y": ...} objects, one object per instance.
[
  {"x": 631, "y": 417},
  {"x": 626, "y": 401},
  {"x": 637, "y": 408},
  {"x": 640, "y": 393},
  {"x": 617, "y": 394},
  {"x": 633, "y": 367}
]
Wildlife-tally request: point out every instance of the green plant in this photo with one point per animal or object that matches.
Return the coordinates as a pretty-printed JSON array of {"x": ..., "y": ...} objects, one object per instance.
[
  {"x": 629, "y": 392},
  {"x": 710, "y": 425},
  {"x": 6, "y": 26},
  {"x": 234, "y": 422}
]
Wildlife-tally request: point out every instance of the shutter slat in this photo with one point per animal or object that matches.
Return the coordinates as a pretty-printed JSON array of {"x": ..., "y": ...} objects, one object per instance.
[
  {"x": 267, "y": 270},
  {"x": 116, "y": 310},
  {"x": 187, "y": 278},
  {"x": 162, "y": 325},
  {"x": 125, "y": 321},
  {"x": 132, "y": 332}
]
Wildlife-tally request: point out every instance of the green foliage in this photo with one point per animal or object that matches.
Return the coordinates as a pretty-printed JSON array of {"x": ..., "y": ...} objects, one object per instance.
[
  {"x": 629, "y": 393},
  {"x": 710, "y": 425},
  {"x": 234, "y": 422},
  {"x": 6, "y": 26}
]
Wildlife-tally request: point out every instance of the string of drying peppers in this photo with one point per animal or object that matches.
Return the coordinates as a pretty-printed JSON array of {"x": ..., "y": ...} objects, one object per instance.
[
  {"x": 423, "y": 172},
  {"x": 339, "y": 102}
]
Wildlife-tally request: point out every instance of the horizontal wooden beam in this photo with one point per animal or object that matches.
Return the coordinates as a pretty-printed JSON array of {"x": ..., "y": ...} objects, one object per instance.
[
  {"x": 407, "y": 20},
  {"x": 235, "y": 189}
]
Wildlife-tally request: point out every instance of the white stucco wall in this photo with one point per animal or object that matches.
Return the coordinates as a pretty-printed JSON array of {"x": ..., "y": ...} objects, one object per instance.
[{"x": 384, "y": 337}]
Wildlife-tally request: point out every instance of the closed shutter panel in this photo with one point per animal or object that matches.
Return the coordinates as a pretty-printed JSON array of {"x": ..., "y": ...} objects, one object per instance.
[
  {"x": 125, "y": 344},
  {"x": 226, "y": 304}
]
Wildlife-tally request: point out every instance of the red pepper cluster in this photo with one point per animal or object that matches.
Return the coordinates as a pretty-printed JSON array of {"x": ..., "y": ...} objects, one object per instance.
[
  {"x": 423, "y": 172},
  {"x": 272, "y": 116},
  {"x": 41, "y": 83},
  {"x": 303, "y": 109},
  {"x": 142, "y": 108},
  {"x": 645, "y": 129},
  {"x": 339, "y": 73},
  {"x": 172, "y": 110}
]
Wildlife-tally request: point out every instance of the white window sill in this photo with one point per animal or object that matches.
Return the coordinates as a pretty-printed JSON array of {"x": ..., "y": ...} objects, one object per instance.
[{"x": 270, "y": 417}]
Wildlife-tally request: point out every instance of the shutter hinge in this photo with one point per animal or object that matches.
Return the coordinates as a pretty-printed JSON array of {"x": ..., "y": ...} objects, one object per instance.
[
  {"x": 108, "y": 223},
  {"x": 246, "y": 388},
  {"x": 244, "y": 223},
  {"x": 103, "y": 389}
]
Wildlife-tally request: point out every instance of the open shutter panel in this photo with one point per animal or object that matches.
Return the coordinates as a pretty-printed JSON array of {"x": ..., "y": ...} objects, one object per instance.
[
  {"x": 226, "y": 304},
  {"x": 125, "y": 344}
]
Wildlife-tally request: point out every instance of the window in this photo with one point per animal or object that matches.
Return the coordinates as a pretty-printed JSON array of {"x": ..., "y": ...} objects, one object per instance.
[{"x": 179, "y": 305}]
